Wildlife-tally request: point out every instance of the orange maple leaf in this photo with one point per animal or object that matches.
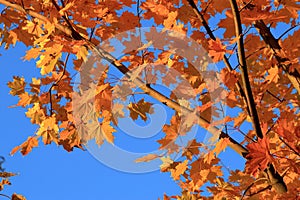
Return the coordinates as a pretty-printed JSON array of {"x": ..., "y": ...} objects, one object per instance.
[
  {"x": 26, "y": 147},
  {"x": 259, "y": 156},
  {"x": 179, "y": 170},
  {"x": 217, "y": 50}
]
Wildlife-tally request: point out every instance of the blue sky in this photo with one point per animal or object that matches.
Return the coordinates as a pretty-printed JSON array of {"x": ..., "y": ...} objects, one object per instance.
[{"x": 49, "y": 172}]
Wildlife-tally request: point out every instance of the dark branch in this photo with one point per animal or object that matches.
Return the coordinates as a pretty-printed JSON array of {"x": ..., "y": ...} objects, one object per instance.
[{"x": 244, "y": 70}]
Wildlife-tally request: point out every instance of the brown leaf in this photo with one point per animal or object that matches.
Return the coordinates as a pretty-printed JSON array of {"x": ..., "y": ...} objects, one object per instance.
[
  {"x": 17, "y": 197},
  {"x": 17, "y": 86},
  {"x": 140, "y": 109}
]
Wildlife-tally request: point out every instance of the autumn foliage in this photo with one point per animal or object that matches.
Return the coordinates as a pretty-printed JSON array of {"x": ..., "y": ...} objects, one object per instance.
[{"x": 254, "y": 45}]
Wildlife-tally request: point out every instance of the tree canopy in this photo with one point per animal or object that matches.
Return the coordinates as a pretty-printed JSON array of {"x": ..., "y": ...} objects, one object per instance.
[{"x": 230, "y": 68}]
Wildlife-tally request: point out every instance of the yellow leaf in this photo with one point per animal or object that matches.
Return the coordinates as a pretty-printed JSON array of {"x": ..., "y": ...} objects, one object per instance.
[
  {"x": 107, "y": 131},
  {"x": 171, "y": 20},
  {"x": 32, "y": 53},
  {"x": 272, "y": 75},
  {"x": 48, "y": 124},
  {"x": 36, "y": 114},
  {"x": 82, "y": 53},
  {"x": 166, "y": 162},
  {"x": 179, "y": 170},
  {"x": 240, "y": 119},
  {"x": 221, "y": 145},
  {"x": 49, "y": 58}
]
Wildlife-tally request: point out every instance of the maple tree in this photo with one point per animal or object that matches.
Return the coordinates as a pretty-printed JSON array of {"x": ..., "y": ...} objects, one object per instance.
[{"x": 258, "y": 73}]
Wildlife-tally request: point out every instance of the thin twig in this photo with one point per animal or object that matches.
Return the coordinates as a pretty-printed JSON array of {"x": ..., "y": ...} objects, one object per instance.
[
  {"x": 4, "y": 195},
  {"x": 273, "y": 43},
  {"x": 247, "y": 189},
  {"x": 288, "y": 30},
  {"x": 289, "y": 146},
  {"x": 259, "y": 191},
  {"x": 225, "y": 59}
]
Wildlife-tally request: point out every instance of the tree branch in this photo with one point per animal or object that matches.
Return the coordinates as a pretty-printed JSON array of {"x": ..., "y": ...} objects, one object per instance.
[
  {"x": 243, "y": 64},
  {"x": 272, "y": 42},
  {"x": 225, "y": 59},
  {"x": 275, "y": 179}
]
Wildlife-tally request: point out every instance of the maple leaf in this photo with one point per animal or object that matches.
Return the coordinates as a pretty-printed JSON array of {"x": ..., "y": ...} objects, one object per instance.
[
  {"x": 17, "y": 86},
  {"x": 166, "y": 163},
  {"x": 17, "y": 197},
  {"x": 82, "y": 53},
  {"x": 259, "y": 155},
  {"x": 32, "y": 53},
  {"x": 171, "y": 20},
  {"x": 25, "y": 99},
  {"x": 192, "y": 149},
  {"x": 103, "y": 98},
  {"x": 272, "y": 75},
  {"x": 49, "y": 130},
  {"x": 36, "y": 113},
  {"x": 141, "y": 108},
  {"x": 49, "y": 58},
  {"x": 179, "y": 170},
  {"x": 4, "y": 182},
  {"x": 26, "y": 147},
  {"x": 217, "y": 50},
  {"x": 229, "y": 78},
  {"x": 172, "y": 130},
  {"x": 107, "y": 131},
  {"x": 221, "y": 145}
]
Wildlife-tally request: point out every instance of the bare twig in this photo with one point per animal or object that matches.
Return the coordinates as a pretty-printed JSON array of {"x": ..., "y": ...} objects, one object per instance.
[
  {"x": 288, "y": 30},
  {"x": 4, "y": 195},
  {"x": 290, "y": 147},
  {"x": 259, "y": 191},
  {"x": 247, "y": 189}
]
